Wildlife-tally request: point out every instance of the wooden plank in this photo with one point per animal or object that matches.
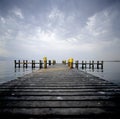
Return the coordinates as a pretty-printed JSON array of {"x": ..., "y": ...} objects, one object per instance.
[
  {"x": 37, "y": 98},
  {"x": 58, "y": 91}
]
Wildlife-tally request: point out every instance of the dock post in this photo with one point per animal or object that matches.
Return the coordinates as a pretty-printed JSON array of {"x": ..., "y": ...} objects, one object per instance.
[
  {"x": 45, "y": 62},
  {"x": 19, "y": 63},
  {"x": 85, "y": 64},
  {"x": 65, "y": 62},
  {"x": 101, "y": 64},
  {"x": 23, "y": 63},
  {"x": 49, "y": 62},
  {"x": 82, "y": 64},
  {"x": 71, "y": 63},
  {"x": 40, "y": 64},
  {"x": 89, "y": 64},
  {"x": 92, "y": 64},
  {"x": 53, "y": 62},
  {"x": 26, "y": 63},
  {"x": 76, "y": 64},
  {"x": 98, "y": 64},
  {"x": 15, "y": 63},
  {"x": 32, "y": 64}
]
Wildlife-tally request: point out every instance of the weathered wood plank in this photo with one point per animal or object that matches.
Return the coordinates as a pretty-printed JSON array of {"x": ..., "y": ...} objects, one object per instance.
[{"x": 57, "y": 92}]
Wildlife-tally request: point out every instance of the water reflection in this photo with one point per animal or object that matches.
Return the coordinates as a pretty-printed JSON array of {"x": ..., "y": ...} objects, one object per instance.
[
  {"x": 24, "y": 69},
  {"x": 110, "y": 72},
  {"x": 92, "y": 69}
]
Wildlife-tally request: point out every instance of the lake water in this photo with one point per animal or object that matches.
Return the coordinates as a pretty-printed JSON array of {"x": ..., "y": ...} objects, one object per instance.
[
  {"x": 110, "y": 71},
  {"x": 8, "y": 72}
]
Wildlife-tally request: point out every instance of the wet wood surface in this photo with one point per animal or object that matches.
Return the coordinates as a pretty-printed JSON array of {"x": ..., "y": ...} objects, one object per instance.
[{"x": 59, "y": 92}]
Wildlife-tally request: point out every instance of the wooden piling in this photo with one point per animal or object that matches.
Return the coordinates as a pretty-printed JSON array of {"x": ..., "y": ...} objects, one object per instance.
[
  {"x": 15, "y": 63},
  {"x": 33, "y": 63},
  {"x": 76, "y": 64},
  {"x": 89, "y": 64},
  {"x": 65, "y": 62},
  {"x": 82, "y": 64},
  {"x": 49, "y": 62},
  {"x": 40, "y": 64},
  {"x": 23, "y": 63},
  {"x": 26, "y": 63},
  {"x": 93, "y": 64},
  {"x": 101, "y": 64},
  {"x": 85, "y": 64},
  {"x": 71, "y": 63},
  {"x": 45, "y": 62},
  {"x": 54, "y": 62},
  {"x": 98, "y": 64}
]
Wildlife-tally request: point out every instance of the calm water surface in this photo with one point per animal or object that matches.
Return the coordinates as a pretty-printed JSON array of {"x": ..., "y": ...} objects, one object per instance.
[
  {"x": 8, "y": 72},
  {"x": 110, "y": 71}
]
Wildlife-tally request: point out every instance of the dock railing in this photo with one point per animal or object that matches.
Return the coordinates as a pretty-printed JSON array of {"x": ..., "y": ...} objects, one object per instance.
[
  {"x": 84, "y": 64},
  {"x": 41, "y": 63}
]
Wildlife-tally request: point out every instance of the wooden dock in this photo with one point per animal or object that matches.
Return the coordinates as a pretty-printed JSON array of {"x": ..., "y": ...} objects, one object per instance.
[{"x": 59, "y": 92}]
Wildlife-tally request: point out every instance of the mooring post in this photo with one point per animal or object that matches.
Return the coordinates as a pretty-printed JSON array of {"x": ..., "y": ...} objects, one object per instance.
[
  {"x": 101, "y": 64},
  {"x": 82, "y": 64},
  {"x": 45, "y": 62},
  {"x": 40, "y": 64},
  {"x": 15, "y": 63},
  {"x": 49, "y": 62},
  {"x": 92, "y": 64},
  {"x": 85, "y": 64},
  {"x": 32, "y": 63},
  {"x": 65, "y": 62},
  {"x": 26, "y": 63},
  {"x": 19, "y": 63},
  {"x": 53, "y": 62},
  {"x": 98, "y": 64},
  {"x": 23, "y": 63},
  {"x": 89, "y": 64},
  {"x": 76, "y": 64},
  {"x": 71, "y": 63}
]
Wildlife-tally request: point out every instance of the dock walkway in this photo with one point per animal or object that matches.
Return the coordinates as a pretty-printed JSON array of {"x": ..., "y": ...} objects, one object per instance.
[{"x": 59, "y": 92}]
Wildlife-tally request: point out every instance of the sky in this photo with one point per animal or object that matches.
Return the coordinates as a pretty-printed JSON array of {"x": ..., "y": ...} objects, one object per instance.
[{"x": 60, "y": 29}]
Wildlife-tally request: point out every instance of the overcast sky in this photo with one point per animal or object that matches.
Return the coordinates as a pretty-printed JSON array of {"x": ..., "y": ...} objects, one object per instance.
[{"x": 59, "y": 29}]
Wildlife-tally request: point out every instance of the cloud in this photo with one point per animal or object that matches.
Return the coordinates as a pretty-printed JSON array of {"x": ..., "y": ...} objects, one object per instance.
[
  {"x": 59, "y": 33},
  {"x": 17, "y": 12}
]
